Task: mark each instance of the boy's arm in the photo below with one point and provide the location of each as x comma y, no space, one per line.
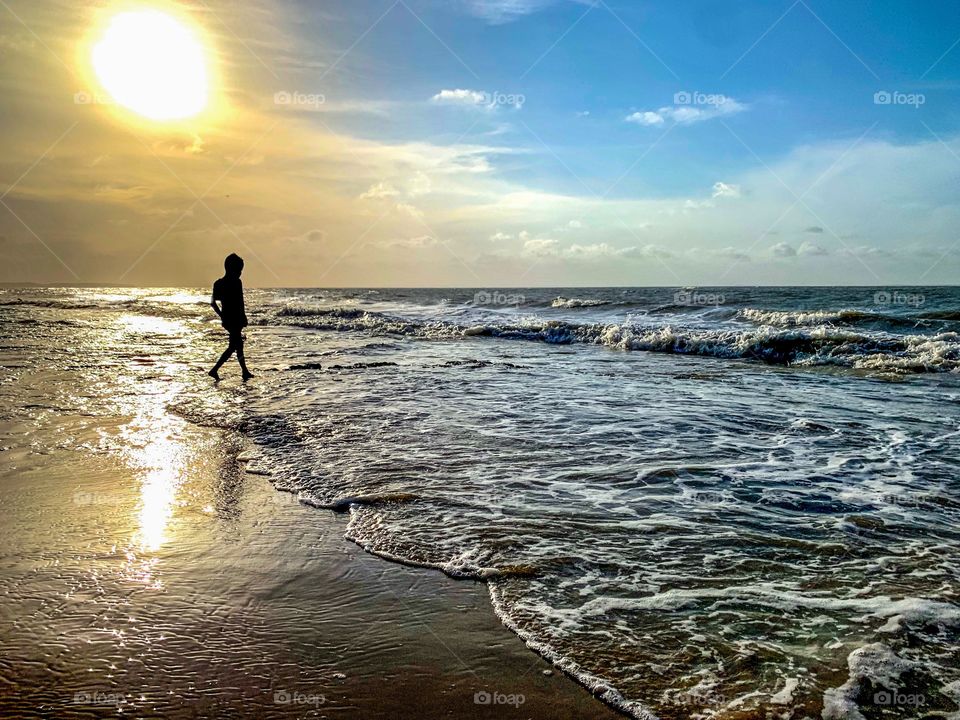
213,304
243,308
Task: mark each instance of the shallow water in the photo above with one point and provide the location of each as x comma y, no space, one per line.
757,518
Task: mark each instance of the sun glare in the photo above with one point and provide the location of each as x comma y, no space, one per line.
153,64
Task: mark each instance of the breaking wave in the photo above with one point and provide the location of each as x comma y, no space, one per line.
796,344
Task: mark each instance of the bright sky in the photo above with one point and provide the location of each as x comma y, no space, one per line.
485,143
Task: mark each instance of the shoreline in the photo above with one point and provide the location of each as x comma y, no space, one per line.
235,597
600,690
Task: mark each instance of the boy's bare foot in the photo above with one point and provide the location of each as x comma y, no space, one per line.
214,374
247,374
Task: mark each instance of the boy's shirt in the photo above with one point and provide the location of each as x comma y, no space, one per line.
229,291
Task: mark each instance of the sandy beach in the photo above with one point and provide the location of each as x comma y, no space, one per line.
131,592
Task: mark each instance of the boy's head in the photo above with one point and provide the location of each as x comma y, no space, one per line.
233,264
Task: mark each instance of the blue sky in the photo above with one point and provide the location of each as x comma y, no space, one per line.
501,142
805,72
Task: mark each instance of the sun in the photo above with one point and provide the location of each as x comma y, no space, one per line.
153,64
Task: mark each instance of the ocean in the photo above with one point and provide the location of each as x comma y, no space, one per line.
699,502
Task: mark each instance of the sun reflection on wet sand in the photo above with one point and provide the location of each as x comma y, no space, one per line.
158,490
146,387
153,448
148,324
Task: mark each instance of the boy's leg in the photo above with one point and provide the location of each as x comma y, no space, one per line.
237,342
224,357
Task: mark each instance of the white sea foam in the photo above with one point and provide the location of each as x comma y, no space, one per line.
562,302
876,663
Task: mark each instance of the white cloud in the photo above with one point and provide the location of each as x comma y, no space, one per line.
811,248
482,99
540,247
413,243
380,191
549,247
595,250
687,114
645,118
460,97
862,251
419,184
722,189
654,251
783,250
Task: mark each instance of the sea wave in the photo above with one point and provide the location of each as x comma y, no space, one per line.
570,303
941,315
807,318
51,303
804,346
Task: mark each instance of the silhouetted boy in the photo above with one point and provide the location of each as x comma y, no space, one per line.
228,291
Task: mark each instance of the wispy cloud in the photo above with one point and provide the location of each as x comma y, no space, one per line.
687,114
482,99
503,11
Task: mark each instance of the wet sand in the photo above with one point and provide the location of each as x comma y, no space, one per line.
213,595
